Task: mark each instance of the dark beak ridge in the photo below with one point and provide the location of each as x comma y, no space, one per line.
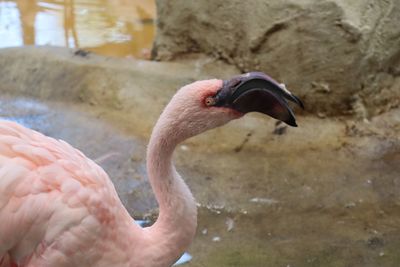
266,102
257,92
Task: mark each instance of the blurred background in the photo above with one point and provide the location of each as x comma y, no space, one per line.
123,28
97,73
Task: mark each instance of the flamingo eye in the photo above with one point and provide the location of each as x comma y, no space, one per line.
209,101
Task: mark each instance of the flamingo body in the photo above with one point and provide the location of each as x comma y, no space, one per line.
54,203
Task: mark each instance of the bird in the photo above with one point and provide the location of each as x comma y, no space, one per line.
59,208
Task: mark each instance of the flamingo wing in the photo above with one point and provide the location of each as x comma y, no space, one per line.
54,201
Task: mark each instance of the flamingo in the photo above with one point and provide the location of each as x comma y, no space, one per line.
59,208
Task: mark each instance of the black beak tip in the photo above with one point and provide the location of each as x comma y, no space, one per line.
291,122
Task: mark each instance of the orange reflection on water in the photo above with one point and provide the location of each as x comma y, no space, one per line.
108,27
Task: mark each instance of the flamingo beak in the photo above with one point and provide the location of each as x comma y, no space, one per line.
257,92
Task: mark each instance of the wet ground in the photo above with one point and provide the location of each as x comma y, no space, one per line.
109,27
324,194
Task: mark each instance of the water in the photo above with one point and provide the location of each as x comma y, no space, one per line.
122,28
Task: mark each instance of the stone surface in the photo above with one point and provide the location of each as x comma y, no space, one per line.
340,56
324,194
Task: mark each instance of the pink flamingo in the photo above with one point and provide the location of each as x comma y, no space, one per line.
58,208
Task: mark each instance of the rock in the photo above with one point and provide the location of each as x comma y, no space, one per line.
348,47
61,74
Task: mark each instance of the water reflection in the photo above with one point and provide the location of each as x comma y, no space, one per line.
109,27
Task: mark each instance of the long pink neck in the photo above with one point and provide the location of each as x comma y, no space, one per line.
175,227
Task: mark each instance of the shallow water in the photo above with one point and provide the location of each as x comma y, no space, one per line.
109,27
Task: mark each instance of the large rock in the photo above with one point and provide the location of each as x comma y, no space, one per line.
339,56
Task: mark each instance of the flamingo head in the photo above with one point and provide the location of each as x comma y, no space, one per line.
208,104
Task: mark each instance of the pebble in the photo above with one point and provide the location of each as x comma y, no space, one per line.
216,239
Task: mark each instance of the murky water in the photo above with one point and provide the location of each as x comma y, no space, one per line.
108,27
